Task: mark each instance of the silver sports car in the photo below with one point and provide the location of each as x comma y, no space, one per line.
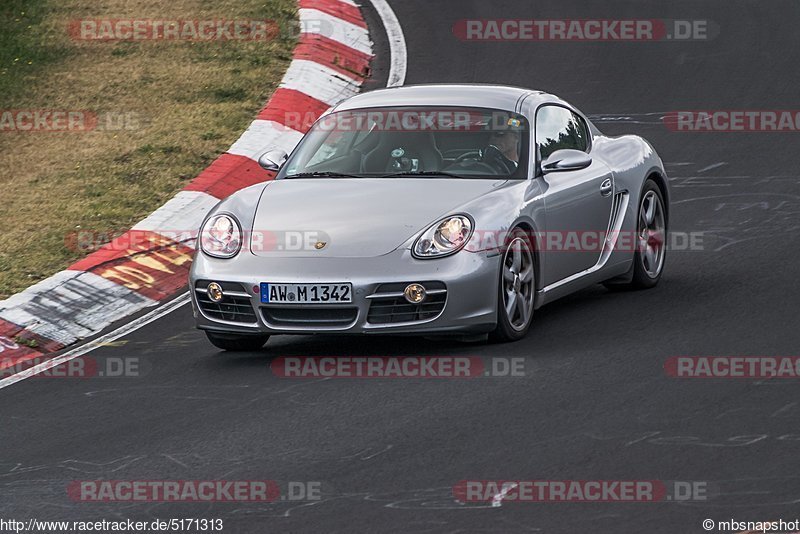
433,209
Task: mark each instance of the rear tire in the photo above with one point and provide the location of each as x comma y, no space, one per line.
236,342
516,289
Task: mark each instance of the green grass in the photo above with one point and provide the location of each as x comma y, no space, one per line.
191,101
25,50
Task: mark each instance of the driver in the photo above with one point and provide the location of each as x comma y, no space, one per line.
504,148
507,141
501,155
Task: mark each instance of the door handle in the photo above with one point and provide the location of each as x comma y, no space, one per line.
606,187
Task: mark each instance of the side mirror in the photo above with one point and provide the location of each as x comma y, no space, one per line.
566,159
272,160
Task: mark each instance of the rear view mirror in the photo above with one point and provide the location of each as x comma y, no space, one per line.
272,160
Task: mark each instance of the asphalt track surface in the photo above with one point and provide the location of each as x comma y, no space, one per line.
595,402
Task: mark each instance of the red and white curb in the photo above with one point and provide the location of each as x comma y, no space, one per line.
330,63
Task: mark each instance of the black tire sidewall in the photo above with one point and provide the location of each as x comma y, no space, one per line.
504,332
640,277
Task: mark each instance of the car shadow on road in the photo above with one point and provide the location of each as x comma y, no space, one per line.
577,322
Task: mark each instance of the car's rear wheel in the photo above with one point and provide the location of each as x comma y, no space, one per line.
236,342
516,289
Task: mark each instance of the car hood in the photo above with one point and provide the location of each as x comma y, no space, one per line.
355,218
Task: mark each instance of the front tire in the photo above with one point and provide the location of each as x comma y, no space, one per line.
516,289
651,239
236,342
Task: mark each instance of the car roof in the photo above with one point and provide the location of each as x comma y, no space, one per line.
456,95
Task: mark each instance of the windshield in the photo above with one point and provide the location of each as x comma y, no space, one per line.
402,141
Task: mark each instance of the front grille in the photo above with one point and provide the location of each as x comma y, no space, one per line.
235,306
388,305
305,317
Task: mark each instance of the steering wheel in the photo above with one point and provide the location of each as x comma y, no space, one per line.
494,158
472,154
471,166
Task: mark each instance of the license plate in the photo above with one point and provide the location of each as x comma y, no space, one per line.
306,293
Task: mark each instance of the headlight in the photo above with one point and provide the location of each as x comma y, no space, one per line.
221,236
445,237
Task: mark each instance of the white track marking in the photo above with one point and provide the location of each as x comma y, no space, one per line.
71,305
315,21
320,82
497,500
263,135
99,342
180,217
397,43
711,167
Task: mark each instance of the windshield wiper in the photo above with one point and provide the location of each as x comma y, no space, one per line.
424,173
322,174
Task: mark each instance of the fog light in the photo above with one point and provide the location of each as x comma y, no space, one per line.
214,292
414,293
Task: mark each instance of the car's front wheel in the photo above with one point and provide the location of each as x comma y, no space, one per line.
236,342
516,289
651,241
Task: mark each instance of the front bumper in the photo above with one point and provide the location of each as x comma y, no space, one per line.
470,280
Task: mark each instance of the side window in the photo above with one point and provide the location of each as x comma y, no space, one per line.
558,128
